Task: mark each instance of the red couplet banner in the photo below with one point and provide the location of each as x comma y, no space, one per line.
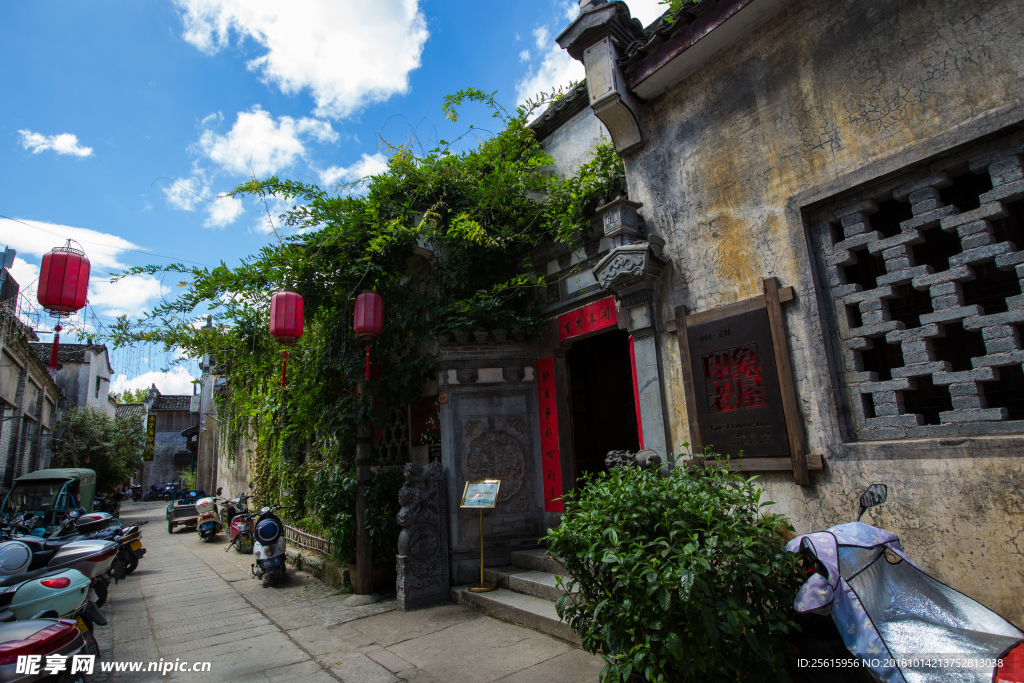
595,316
551,464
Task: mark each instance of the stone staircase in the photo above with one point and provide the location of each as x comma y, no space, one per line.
526,594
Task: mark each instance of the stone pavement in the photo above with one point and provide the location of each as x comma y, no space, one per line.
191,601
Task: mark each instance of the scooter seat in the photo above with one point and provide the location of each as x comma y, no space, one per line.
15,579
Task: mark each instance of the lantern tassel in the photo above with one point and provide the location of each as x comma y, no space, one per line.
284,368
56,345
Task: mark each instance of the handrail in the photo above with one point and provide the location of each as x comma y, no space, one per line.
307,540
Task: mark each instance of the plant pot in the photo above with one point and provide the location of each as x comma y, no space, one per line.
480,336
462,336
500,335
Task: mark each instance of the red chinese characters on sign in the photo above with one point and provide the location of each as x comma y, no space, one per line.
595,316
551,464
733,379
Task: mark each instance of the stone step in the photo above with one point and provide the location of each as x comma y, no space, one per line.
528,581
517,608
537,560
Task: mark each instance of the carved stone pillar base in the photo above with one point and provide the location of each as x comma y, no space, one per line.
422,559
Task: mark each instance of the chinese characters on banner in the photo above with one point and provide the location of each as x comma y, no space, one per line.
150,435
595,316
733,379
551,463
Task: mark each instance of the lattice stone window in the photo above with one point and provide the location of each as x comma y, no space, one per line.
926,286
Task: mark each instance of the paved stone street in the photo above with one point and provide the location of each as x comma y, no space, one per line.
192,601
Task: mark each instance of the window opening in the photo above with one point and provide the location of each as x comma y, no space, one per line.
1007,391
959,346
889,216
868,267
928,400
909,304
936,249
991,287
965,190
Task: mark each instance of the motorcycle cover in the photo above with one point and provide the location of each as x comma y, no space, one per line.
899,621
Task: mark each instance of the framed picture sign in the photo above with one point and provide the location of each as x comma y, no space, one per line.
738,376
480,495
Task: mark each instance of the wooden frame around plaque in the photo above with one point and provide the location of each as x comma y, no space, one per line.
493,500
744,397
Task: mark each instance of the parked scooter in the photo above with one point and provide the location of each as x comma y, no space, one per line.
240,523
110,504
41,637
135,492
269,546
890,619
155,493
208,524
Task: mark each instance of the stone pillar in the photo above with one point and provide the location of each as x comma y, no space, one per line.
423,578
640,323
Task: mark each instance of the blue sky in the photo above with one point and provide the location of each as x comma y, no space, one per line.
116,112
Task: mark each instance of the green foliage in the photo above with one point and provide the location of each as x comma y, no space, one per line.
681,578
130,395
333,496
113,447
443,236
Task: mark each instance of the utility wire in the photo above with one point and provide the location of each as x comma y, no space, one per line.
109,246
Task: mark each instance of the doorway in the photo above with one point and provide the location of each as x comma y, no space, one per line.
603,407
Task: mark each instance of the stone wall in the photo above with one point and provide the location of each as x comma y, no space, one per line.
825,99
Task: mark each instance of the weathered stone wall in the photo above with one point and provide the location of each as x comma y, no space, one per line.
824,98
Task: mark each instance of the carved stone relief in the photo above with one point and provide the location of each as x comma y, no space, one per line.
423,577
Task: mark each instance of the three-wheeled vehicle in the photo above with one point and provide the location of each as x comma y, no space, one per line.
49,495
181,511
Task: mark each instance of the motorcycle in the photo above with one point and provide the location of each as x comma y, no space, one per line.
43,637
891,621
155,493
208,523
135,492
269,547
170,488
110,504
241,532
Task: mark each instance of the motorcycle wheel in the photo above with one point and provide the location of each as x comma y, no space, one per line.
101,593
148,497
131,563
268,579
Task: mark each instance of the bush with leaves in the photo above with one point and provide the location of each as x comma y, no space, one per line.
333,496
113,447
681,578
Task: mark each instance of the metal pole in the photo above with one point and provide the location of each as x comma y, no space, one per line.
363,583
481,547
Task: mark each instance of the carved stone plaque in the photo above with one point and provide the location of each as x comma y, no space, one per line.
736,386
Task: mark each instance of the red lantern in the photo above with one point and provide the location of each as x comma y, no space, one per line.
369,320
63,286
286,312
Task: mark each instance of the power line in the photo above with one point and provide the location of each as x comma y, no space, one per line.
109,246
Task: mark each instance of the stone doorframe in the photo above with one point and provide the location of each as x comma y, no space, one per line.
629,271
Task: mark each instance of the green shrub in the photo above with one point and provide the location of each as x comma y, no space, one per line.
333,497
681,578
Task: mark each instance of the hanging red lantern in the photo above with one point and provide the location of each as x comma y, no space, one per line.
63,287
286,313
369,320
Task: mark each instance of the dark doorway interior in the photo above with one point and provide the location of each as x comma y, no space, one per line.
603,409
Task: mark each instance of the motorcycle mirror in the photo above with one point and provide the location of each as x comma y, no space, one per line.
873,495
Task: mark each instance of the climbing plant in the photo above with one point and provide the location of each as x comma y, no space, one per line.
444,235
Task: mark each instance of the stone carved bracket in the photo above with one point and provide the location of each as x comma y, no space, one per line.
629,265
422,559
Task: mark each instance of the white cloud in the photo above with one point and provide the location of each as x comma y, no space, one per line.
101,248
131,296
541,37
223,212
524,56
644,10
178,381
556,69
366,166
186,193
347,53
256,144
64,143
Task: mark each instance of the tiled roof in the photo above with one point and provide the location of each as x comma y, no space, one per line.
560,111
135,410
661,29
66,353
172,402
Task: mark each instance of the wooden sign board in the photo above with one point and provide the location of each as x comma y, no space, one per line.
480,494
151,435
738,378
738,400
